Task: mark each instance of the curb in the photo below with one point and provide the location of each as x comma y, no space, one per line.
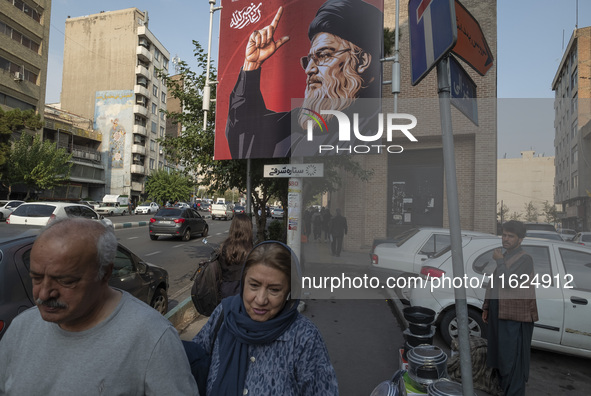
182,315
130,224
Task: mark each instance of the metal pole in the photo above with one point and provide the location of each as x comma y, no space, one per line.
294,211
207,87
444,91
248,190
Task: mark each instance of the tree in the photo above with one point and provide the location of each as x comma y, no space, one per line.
531,212
503,212
37,164
173,186
515,216
195,147
550,213
13,122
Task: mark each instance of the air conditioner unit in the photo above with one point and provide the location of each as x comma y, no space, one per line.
18,76
161,152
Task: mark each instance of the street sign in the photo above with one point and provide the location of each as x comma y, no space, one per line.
294,170
471,45
463,91
433,33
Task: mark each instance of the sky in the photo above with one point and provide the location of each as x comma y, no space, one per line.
531,38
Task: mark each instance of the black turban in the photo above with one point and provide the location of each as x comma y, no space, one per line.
353,20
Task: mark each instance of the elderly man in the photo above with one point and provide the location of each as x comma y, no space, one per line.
342,64
511,311
84,337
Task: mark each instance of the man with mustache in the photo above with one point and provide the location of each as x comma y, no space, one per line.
510,309
342,65
85,337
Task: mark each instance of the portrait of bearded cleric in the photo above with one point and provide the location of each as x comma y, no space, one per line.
342,64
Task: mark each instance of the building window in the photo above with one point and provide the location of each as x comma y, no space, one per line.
156,54
154,108
154,126
162,116
23,74
144,43
19,37
155,91
161,131
574,156
163,97
574,180
152,163
152,145
573,131
164,62
22,6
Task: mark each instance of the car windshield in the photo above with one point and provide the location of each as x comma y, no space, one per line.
146,204
405,236
551,236
34,210
169,212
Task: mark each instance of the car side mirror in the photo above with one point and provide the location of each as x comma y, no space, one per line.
142,268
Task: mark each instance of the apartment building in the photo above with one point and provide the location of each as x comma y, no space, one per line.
77,136
110,75
24,33
572,124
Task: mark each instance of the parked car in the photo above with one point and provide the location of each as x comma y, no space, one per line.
553,235
239,209
183,223
563,272
41,213
145,281
222,211
277,213
91,204
583,238
112,208
539,226
204,207
182,205
412,249
7,207
147,208
567,234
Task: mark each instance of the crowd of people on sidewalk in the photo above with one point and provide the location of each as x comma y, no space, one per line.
321,226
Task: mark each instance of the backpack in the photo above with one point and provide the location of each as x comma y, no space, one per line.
205,292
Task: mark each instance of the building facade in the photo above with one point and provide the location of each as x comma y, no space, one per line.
408,189
572,124
77,136
525,180
24,33
110,75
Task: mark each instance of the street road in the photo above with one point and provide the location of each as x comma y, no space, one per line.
179,258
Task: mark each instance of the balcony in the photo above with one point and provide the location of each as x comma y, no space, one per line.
138,169
142,71
137,186
138,149
140,130
139,89
139,109
144,54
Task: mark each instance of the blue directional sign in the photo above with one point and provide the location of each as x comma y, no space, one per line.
433,33
463,90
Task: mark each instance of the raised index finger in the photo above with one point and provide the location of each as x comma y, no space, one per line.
277,18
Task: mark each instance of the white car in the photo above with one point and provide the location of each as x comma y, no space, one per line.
563,292
42,213
147,208
412,249
582,238
111,209
8,206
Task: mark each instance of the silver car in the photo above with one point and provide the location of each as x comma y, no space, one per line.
8,206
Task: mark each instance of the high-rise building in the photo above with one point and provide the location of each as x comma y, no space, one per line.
572,124
24,33
110,74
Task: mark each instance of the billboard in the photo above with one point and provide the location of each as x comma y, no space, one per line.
283,62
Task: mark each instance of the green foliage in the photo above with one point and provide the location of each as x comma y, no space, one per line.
531,212
278,231
15,121
37,164
550,213
173,186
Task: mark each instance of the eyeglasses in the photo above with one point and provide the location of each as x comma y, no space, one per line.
320,58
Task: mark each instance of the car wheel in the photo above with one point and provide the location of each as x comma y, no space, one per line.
205,231
153,237
186,235
449,325
1,217
160,301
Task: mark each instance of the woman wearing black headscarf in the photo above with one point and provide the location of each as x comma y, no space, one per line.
264,346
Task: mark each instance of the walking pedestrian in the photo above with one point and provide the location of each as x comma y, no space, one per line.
338,230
